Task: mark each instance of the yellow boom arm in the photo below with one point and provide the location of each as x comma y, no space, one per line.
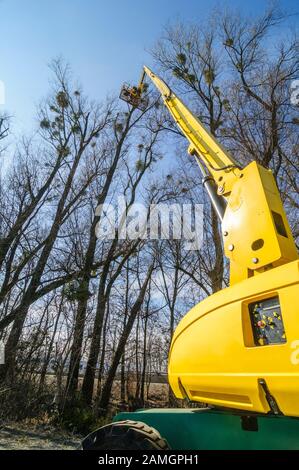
256,233
217,160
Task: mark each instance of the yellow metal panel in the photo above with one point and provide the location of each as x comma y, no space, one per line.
252,240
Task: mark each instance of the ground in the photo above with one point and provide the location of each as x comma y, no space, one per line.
23,437
34,435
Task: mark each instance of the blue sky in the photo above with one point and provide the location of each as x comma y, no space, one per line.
105,42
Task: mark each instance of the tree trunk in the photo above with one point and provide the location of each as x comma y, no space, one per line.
7,370
89,377
106,391
144,359
217,272
137,386
123,379
48,355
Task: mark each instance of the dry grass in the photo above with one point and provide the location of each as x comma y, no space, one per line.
26,436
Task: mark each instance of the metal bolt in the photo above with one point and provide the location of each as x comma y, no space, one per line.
231,247
225,233
255,260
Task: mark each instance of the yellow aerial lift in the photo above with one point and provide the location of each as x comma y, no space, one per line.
237,349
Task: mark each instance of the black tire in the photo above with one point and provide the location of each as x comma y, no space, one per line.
122,435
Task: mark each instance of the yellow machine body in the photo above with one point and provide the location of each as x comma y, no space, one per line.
215,358
238,347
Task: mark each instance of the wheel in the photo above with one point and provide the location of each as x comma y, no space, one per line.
121,435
